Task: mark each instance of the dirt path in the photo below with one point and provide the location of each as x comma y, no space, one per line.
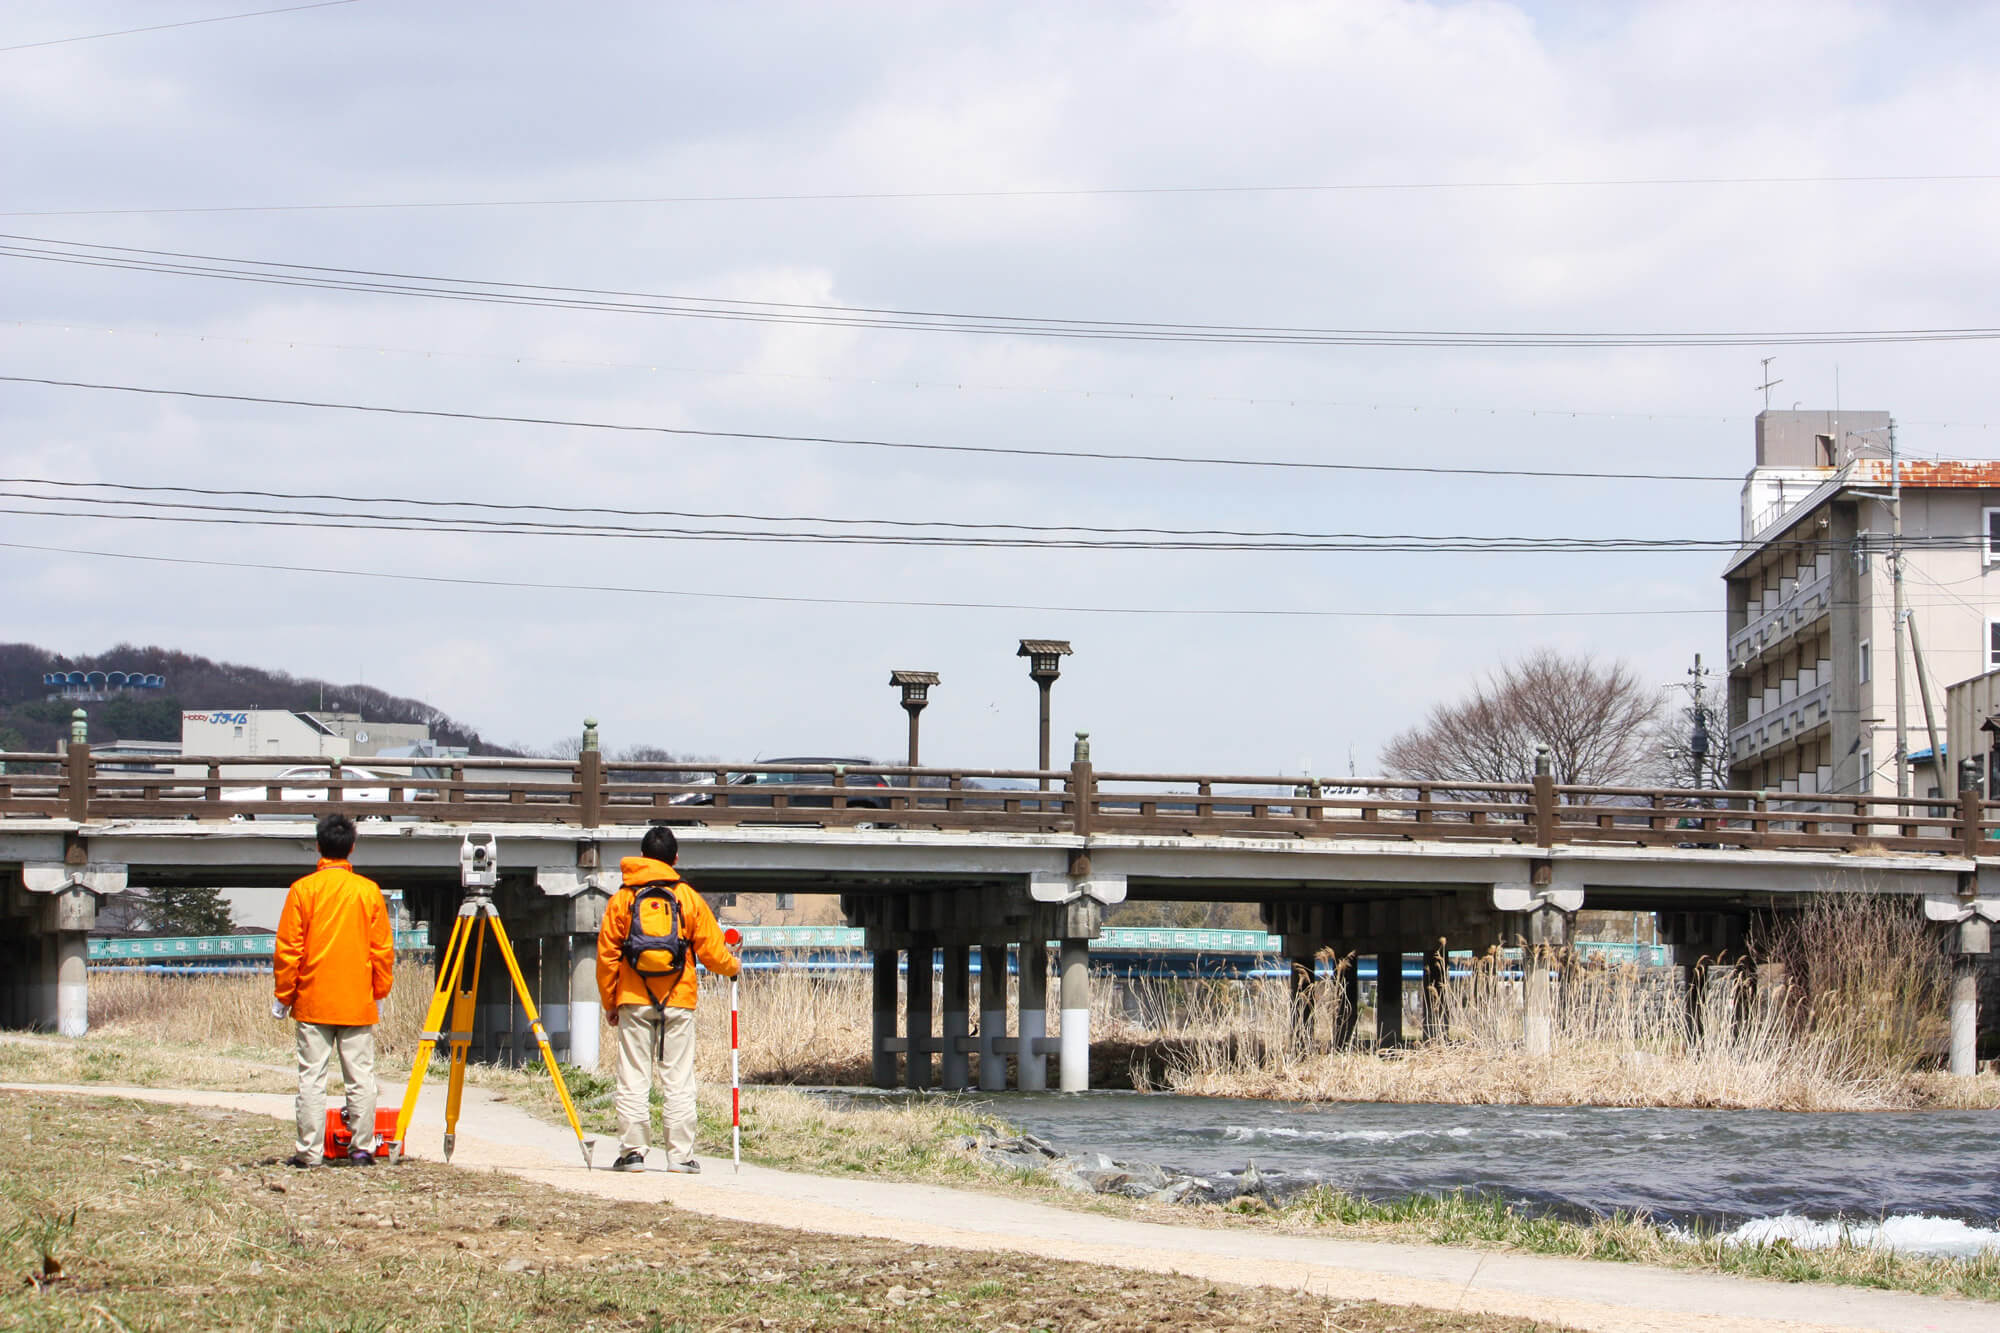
1614,1298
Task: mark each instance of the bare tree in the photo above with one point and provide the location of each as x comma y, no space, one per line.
1598,722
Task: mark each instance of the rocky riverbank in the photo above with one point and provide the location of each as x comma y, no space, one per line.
1098,1173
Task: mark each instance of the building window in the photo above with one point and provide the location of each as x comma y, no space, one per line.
1865,783
239,733
1992,644
784,901
1862,540
1866,670
1992,536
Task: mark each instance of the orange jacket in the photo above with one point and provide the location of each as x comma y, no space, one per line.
617,983
335,956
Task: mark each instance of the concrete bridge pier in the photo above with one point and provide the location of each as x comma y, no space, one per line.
954,1063
50,912
882,1031
1704,943
919,990
1436,960
1305,1002
1031,1064
1547,910
1388,1000
1967,920
992,1015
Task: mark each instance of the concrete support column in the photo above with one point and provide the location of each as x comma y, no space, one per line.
1033,1022
1305,1003
883,1029
72,983
584,1003
1548,930
1350,1002
1074,1061
528,955
1388,1000
1975,940
917,992
992,1016
1694,998
1435,1023
954,1065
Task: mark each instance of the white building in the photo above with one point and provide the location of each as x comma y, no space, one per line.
259,732
1812,703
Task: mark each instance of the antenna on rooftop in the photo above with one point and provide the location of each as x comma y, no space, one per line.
1769,383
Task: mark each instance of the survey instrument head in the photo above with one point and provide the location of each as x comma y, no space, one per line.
479,861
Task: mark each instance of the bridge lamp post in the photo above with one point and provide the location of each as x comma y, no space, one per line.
1044,668
916,686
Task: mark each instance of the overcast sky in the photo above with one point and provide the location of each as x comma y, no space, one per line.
379,102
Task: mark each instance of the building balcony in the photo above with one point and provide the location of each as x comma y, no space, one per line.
1783,725
1808,600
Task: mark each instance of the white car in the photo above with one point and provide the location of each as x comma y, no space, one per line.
284,779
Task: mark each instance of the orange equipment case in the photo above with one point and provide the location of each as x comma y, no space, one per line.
339,1140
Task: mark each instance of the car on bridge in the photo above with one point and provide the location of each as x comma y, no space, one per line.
762,788
308,782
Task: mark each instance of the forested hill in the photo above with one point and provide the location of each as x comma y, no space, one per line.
30,720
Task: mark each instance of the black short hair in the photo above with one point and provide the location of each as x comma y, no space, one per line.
336,836
660,844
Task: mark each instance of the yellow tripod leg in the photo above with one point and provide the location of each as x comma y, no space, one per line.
541,1038
463,1005
433,1017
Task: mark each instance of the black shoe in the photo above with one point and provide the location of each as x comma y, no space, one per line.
302,1160
361,1157
632,1159
688,1168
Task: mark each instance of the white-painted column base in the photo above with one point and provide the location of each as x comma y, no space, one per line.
72,988
1073,1059
584,1003
1964,1015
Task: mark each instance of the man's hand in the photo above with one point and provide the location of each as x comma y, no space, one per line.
611,1018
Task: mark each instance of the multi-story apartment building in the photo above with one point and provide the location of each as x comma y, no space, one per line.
1812,703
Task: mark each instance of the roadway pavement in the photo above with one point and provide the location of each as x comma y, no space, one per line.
1582,1294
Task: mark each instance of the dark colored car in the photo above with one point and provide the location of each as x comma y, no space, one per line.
761,789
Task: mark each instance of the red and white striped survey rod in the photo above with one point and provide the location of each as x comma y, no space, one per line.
733,937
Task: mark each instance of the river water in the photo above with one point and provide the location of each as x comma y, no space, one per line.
1922,1181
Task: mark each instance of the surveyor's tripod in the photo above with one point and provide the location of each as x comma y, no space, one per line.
458,986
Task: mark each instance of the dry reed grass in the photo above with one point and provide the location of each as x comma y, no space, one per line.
1847,1014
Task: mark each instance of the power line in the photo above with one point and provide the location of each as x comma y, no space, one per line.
185,23
1229,611
1129,191
822,315
1097,455
1360,543
956,383
624,520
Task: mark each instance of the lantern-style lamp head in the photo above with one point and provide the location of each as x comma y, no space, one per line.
1044,657
916,686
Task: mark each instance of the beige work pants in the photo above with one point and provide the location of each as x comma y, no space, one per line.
645,1052
318,1044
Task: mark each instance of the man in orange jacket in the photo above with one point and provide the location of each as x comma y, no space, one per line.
335,961
652,1005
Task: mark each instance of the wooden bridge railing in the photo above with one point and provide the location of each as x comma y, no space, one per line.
590,792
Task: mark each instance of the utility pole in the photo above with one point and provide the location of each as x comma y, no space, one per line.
1698,739
1896,582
